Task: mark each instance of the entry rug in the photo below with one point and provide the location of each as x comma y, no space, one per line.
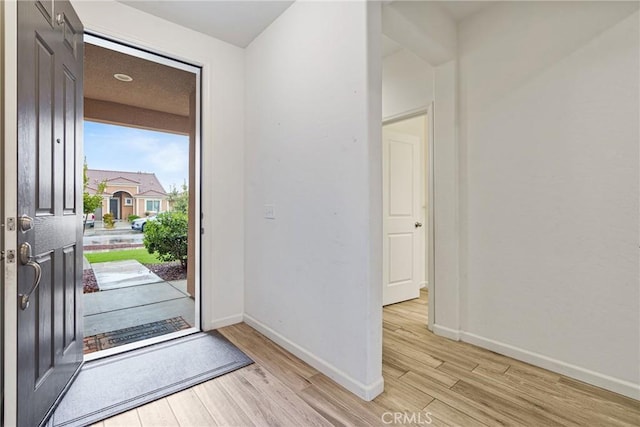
133,334
116,384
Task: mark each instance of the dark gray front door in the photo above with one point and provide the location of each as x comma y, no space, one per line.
113,208
50,110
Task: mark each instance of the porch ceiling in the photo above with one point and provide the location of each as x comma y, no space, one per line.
155,88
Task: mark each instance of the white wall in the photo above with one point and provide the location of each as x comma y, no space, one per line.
222,143
313,279
407,84
549,107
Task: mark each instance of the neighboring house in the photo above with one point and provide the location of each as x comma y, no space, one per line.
128,193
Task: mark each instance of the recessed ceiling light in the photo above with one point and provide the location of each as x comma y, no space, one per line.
123,77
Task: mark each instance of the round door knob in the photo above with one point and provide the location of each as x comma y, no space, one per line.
418,224
26,223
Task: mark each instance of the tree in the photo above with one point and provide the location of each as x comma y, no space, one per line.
90,202
167,236
179,200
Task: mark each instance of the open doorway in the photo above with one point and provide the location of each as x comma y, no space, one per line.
407,208
141,204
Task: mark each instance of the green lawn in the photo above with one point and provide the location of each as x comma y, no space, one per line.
140,255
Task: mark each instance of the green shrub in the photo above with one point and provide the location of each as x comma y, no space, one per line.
167,236
132,218
108,220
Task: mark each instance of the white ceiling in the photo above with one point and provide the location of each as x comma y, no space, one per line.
389,47
240,21
236,22
462,9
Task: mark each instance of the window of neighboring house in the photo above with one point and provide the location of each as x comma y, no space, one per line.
128,201
153,206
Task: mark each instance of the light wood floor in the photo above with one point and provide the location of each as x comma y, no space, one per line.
457,384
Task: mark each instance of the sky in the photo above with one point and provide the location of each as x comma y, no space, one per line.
127,149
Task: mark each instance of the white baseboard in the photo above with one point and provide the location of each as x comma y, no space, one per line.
225,321
595,378
443,331
364,391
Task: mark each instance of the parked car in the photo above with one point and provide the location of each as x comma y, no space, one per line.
139,223
89,220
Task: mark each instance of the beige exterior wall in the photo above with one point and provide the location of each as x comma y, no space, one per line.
143,204
126,211
140,207
138,204
131,189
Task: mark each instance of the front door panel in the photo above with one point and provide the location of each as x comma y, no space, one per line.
49,200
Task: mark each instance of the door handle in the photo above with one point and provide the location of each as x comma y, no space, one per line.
418,224
27,259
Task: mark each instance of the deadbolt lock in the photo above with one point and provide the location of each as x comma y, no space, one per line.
26,223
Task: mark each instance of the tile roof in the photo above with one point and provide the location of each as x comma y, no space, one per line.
146,182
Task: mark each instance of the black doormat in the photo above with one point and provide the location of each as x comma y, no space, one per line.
133,334
116,384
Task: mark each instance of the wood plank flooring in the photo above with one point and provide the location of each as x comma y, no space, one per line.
428,378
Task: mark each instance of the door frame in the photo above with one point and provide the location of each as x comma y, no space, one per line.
131,48
2,228
10,207
8,64
427,111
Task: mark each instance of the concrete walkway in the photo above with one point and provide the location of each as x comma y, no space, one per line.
131,295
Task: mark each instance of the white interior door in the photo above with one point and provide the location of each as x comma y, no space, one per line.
401,217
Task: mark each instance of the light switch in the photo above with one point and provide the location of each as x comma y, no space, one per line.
270,211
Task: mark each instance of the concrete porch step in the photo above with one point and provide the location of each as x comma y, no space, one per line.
128,297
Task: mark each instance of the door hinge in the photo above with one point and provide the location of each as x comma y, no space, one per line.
10,256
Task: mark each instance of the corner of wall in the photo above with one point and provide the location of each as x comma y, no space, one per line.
446,198
374,113
225,321
364,391
443,331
